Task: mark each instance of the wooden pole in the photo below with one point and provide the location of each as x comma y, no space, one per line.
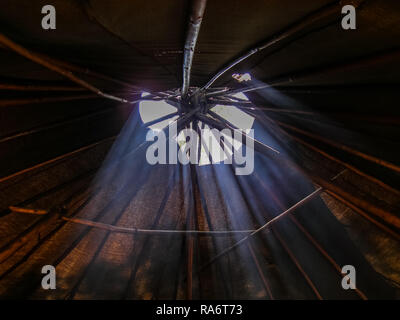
196,17
342,147
60,70
18,102
35,87
327,12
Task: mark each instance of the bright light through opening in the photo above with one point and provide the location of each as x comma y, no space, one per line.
242,77
150,111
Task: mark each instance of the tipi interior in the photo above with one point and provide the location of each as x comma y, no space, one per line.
78,192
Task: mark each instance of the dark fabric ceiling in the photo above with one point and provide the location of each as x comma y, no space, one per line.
142,42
